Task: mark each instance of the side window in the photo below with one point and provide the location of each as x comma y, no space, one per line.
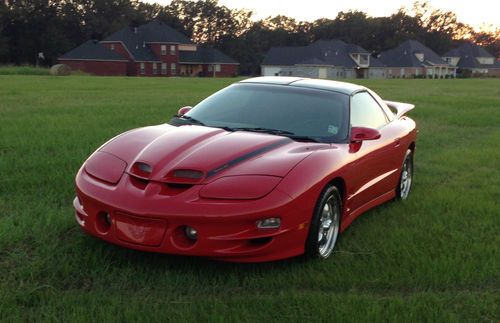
365,112
388,112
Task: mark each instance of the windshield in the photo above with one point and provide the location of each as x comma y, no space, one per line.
284,110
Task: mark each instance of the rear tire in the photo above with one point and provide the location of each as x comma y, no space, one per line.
406,177
325,225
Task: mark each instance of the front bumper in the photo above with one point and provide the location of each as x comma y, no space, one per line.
151,219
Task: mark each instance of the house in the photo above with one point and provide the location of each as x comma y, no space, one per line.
331,59
153,49
412,59
473,59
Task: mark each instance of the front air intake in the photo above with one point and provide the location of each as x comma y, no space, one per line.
141,170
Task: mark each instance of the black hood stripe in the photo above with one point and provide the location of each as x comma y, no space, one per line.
248,156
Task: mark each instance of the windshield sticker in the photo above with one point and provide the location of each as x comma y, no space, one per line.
333,130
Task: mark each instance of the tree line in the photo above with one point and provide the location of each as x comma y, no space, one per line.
53,27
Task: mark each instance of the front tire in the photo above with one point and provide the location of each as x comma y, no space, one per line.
406,177
325,224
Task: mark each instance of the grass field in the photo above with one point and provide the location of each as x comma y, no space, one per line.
23,70
434,257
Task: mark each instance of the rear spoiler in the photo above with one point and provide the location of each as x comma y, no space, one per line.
400,107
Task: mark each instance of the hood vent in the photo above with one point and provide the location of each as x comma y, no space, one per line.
186,173
184,176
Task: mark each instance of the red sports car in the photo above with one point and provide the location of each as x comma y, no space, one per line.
265,169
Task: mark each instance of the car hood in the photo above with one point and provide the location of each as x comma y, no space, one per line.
213,152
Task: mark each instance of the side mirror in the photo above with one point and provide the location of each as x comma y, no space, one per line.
359,134
182,111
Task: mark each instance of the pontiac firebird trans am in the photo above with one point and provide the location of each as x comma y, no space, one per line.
265,169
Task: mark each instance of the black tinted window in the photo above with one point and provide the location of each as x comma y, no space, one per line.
303,112
365,112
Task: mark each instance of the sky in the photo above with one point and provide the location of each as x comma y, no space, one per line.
475,13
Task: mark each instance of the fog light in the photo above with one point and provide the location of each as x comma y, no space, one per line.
269,223
103,222
107,218
191,233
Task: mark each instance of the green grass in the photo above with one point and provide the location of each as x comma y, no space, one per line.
23,70
434,257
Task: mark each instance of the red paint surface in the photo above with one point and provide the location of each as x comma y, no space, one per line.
120,49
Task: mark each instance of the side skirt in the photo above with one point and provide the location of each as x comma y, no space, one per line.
355,213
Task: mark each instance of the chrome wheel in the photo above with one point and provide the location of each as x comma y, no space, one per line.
325,224
406,177
329,225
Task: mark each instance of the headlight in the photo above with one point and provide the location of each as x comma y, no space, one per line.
245,187
105,166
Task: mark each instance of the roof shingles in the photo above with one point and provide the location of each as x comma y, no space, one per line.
405,56
205,55
469,53
92,50
321,52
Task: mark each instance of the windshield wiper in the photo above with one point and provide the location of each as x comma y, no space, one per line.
303,138
265,130
279,132
192,120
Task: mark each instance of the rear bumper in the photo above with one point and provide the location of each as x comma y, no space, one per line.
143,220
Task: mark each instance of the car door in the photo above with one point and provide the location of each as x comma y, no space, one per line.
376,161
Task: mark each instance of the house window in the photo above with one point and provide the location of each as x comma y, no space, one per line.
173,68
164,49
143,69
112,47
217,67
210,68
155,68
164,68
172,49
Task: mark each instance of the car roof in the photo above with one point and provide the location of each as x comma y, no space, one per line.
336,86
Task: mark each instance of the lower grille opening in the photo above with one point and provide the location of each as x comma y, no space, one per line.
260,241
179,186
171,189
138,182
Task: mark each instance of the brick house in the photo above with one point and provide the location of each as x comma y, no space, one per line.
331,59
152,49
412,59
474,60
